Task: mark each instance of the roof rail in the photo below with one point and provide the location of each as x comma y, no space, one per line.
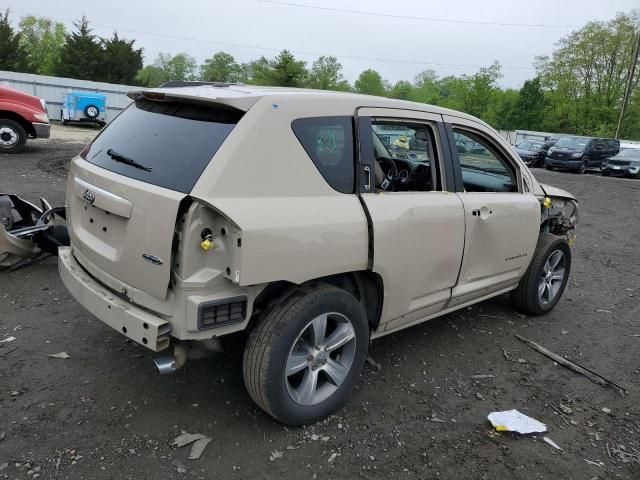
194,83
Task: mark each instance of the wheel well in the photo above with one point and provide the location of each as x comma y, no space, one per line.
8,114
366,286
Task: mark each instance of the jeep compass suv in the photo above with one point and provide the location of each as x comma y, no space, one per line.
315,221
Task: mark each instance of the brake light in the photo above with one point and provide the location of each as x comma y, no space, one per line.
154,96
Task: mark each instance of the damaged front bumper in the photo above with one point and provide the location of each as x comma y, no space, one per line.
28,232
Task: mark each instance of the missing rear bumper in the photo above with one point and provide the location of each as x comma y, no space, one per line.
135,323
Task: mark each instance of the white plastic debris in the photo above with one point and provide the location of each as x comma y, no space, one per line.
60,355
552,443
8,339
514,421
275,455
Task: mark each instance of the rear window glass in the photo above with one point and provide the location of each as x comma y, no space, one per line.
329,143
163,143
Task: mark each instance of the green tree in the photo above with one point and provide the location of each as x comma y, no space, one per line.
402,90
370,82
326,74
42,41
81,55
530,105
427,88
12,54
221,67
120,60
151,76
584,79
282,71
181,66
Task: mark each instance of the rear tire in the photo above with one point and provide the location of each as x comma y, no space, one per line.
12,136
280,358
549,167
543,283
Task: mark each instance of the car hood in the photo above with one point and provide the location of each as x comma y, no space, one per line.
552,191
635,158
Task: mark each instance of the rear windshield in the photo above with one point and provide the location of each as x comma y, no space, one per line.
163,143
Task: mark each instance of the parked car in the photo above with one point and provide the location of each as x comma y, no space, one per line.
580,153
287,217
22,116
83,106
532,152
625,163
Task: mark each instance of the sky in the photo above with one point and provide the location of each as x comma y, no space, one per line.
398,39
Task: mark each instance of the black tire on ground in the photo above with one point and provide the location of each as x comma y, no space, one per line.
549,167
526,297
91,111
583,167
274,338
12,136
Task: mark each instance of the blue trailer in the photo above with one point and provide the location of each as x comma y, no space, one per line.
82,106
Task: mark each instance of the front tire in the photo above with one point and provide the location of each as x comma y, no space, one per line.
12,136
583,167
542,285
303,359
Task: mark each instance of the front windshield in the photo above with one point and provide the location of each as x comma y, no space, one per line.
577,143
531,146
630,152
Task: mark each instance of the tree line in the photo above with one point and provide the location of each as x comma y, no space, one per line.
577,89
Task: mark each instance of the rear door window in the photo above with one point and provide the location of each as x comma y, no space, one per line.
167,144
329,143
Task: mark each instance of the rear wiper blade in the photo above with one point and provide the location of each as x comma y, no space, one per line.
118,157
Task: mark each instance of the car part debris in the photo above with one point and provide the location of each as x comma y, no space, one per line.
514,421
552,443
199,441
29,233
591,375
62,355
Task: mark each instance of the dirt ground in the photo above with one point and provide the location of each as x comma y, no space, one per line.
105,412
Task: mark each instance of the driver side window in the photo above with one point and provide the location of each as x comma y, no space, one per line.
405,158
483,167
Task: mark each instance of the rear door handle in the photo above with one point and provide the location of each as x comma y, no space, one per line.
482,212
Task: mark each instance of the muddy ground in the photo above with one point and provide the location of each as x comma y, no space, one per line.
105,413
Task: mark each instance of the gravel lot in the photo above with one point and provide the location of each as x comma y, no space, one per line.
105,413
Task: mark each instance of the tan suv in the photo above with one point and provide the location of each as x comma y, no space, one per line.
315,221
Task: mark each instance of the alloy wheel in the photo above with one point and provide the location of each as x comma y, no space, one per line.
552,276
320,359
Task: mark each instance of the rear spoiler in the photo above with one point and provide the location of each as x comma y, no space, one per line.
195,83
230,95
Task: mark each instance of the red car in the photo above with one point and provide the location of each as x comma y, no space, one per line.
22,116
